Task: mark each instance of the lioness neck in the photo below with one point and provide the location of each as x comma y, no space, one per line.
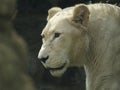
102,67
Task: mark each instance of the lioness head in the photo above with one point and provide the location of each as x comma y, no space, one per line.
64,39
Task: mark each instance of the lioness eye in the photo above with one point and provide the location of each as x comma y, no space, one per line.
56,35
42,35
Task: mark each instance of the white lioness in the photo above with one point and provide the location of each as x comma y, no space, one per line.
84,35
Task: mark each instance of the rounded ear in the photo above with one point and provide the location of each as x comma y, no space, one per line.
81,14
53,11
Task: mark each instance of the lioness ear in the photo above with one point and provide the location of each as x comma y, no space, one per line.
81,14
53,11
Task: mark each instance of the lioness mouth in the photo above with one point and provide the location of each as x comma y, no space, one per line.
59,68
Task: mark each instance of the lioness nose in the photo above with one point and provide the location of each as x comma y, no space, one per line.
44,59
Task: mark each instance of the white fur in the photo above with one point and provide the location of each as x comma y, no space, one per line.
97,48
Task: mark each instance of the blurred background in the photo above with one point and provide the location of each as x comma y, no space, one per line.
30,20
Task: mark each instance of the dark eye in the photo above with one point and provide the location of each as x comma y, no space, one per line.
42,35
57,35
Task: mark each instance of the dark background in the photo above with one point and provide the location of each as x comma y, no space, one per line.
30,20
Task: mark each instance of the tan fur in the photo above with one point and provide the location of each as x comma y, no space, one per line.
7,8
13,56
13,52
94,44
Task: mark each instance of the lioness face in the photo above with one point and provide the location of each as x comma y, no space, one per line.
63,44
59,43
